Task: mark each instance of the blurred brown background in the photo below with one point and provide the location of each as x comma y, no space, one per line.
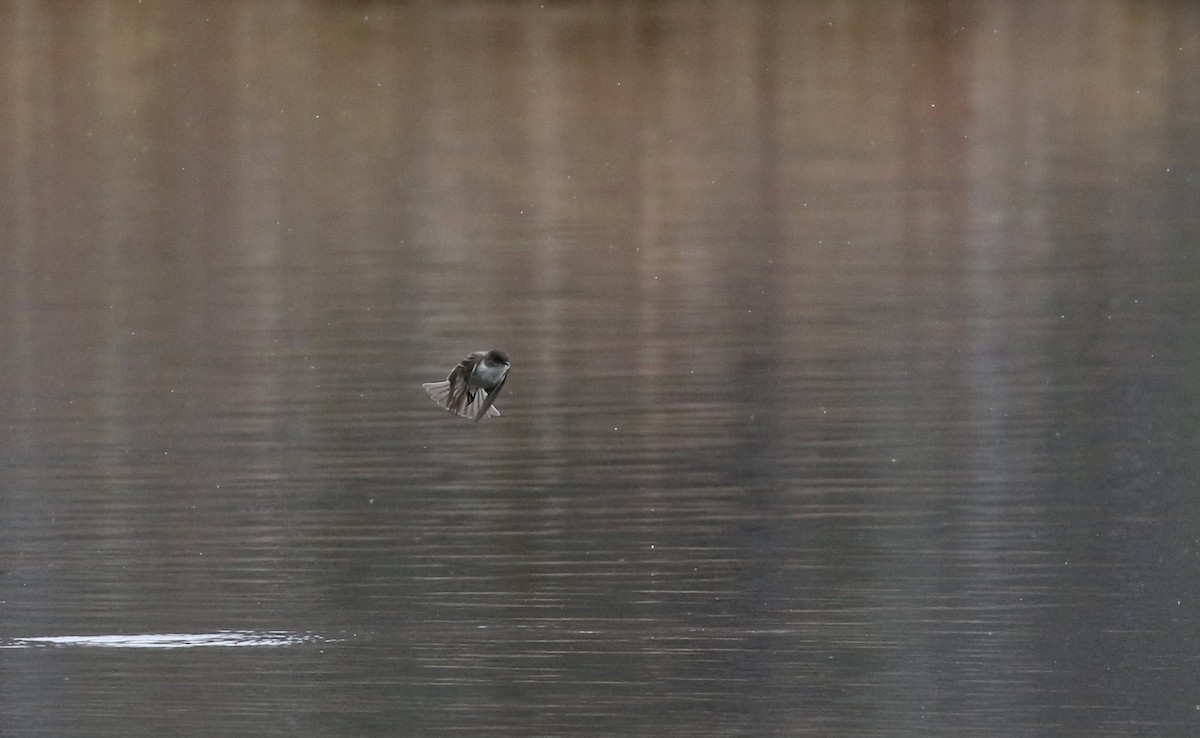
853,391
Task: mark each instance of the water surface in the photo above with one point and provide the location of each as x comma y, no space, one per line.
853,371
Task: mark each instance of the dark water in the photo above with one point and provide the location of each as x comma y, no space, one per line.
854,369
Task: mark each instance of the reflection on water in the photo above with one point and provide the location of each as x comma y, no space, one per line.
852,392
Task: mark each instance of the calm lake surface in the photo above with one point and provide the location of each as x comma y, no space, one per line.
854,391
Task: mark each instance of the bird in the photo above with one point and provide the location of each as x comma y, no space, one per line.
472,386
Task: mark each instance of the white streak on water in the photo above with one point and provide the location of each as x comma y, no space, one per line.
219,639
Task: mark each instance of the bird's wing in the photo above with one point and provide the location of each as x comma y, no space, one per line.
459,396
489,397
467,366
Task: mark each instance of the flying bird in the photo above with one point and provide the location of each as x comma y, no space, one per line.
472,386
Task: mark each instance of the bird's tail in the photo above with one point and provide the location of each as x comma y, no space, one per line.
439,391
468,403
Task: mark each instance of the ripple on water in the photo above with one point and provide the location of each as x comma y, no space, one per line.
219,639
